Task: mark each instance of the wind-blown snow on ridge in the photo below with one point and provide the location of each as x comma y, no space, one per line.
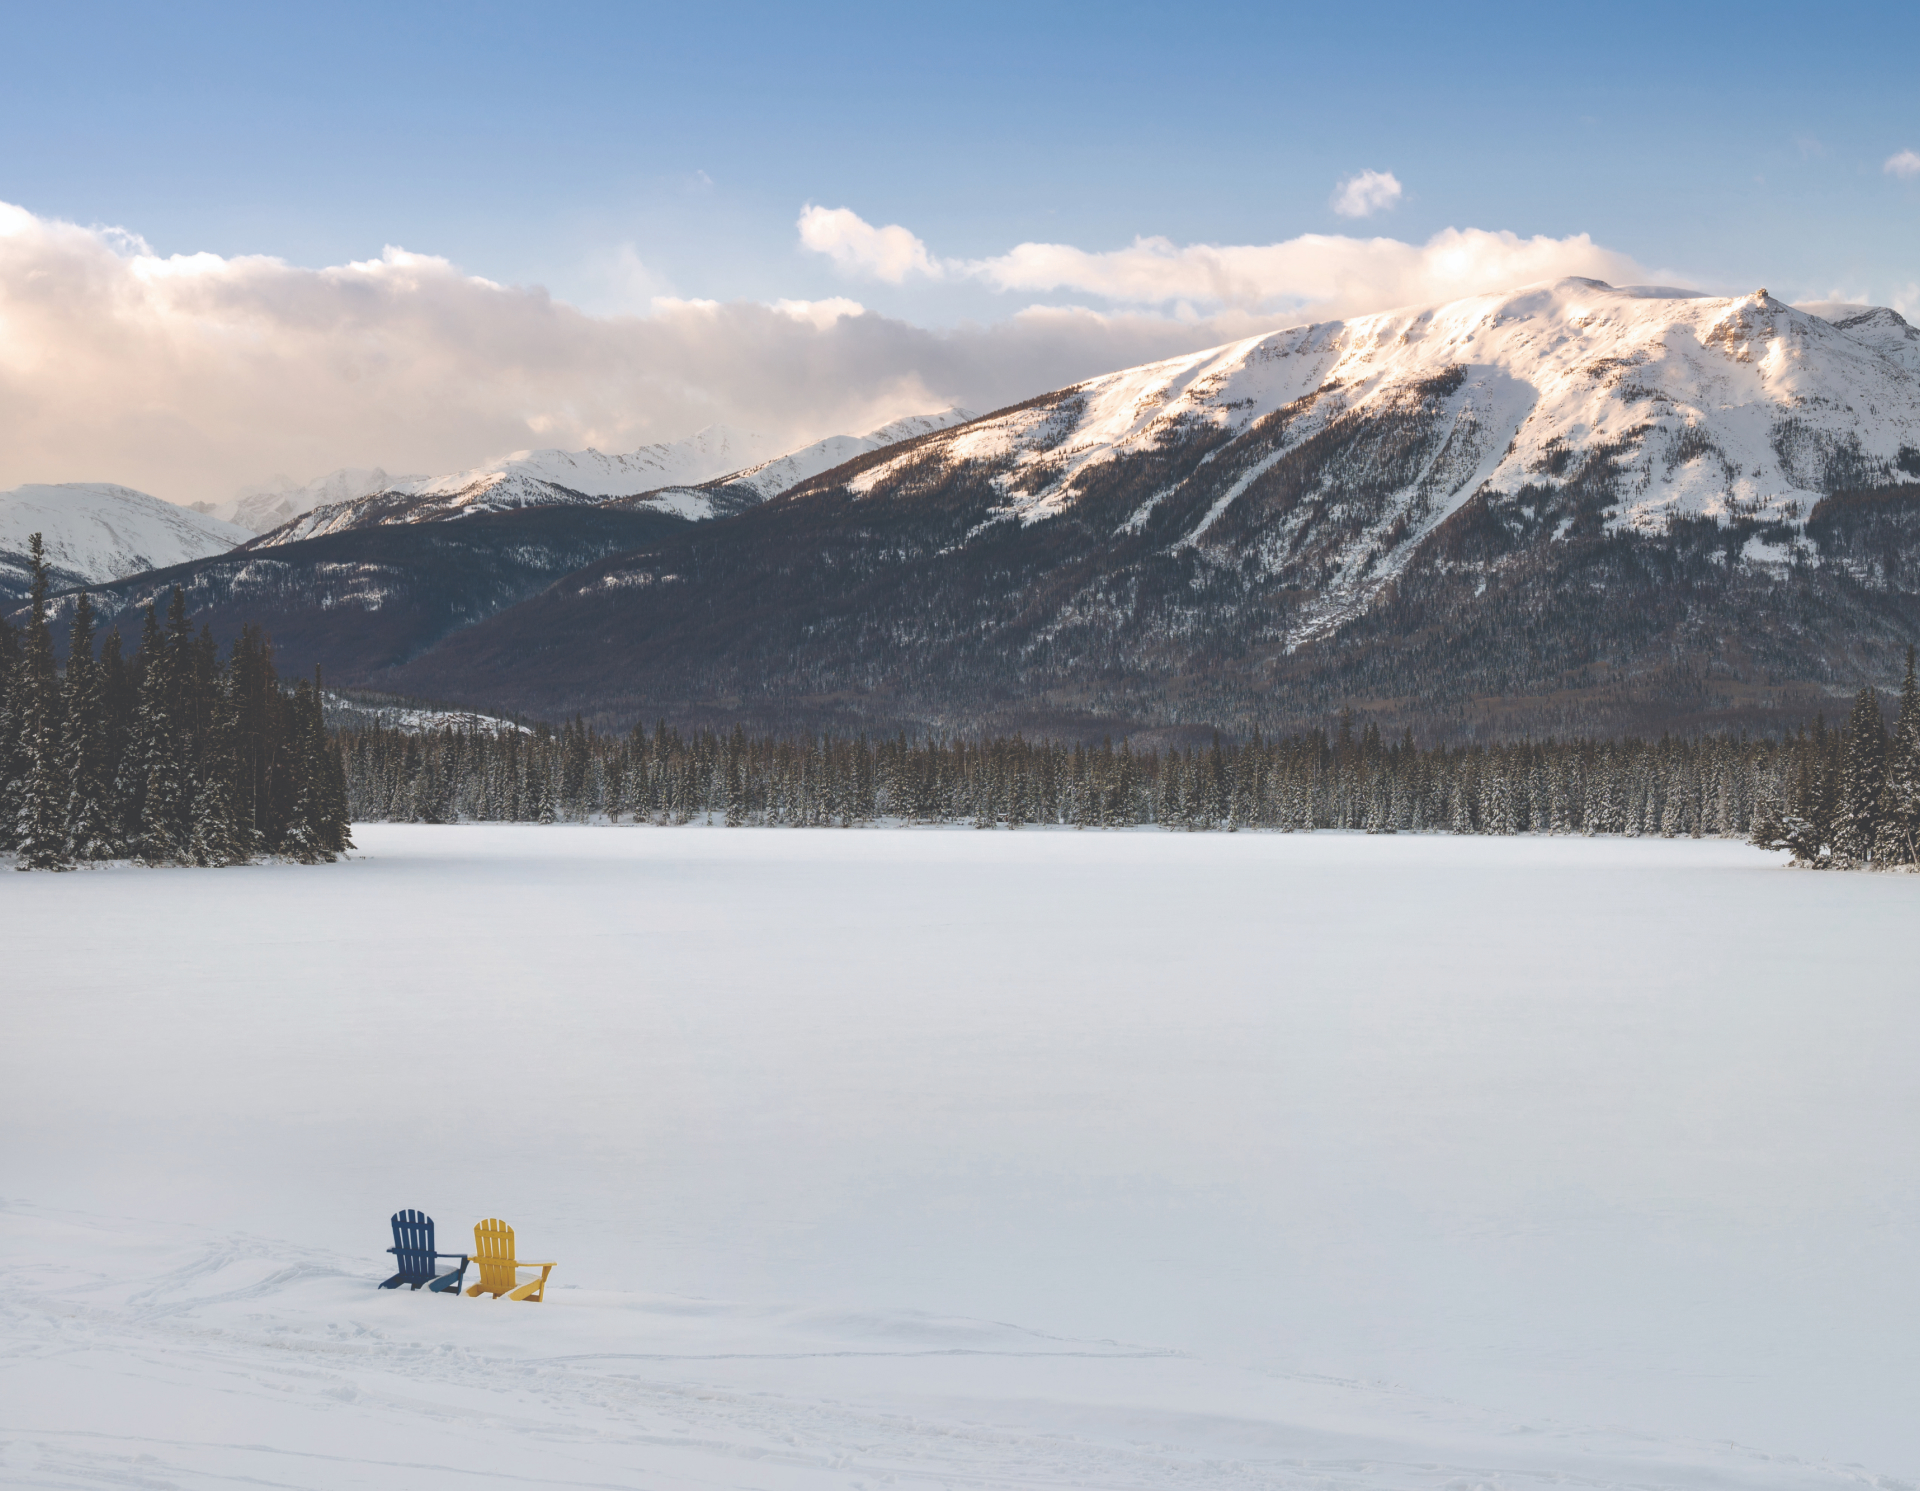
775,476
1574,364
95,532
510,481
739,490
528,478
262,509
683,477
1697,406
1878,326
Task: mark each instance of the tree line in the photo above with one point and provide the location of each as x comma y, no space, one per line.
172,756
1835,797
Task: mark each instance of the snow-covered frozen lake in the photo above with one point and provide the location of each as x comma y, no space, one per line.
952,1158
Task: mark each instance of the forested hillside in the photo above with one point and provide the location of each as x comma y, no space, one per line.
1567,510
171,756
359,602
1834,797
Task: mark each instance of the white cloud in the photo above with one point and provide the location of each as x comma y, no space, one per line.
820,313
890,253
1367,193
1326,274
1905,165
194,376
1315,274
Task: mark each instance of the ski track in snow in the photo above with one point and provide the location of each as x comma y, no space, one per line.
958,1159
320,1380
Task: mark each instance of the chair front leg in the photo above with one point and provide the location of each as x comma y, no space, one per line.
536,1291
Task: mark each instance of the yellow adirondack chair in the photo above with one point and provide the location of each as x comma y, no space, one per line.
493,1252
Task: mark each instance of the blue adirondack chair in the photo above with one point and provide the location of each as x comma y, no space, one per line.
413,1250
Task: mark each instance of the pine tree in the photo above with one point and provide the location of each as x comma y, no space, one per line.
159,744
43,810
92,821
119,702
13,760
335,822
314,833
1897,841
1858,821
217,838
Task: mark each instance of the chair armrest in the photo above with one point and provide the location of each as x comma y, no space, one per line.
522,1263
461,1256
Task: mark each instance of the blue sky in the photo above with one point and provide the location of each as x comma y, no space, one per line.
534,144
977,162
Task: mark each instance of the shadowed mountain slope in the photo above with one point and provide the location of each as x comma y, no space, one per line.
361,602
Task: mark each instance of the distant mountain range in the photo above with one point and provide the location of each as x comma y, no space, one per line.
1569,507
97,531
710,474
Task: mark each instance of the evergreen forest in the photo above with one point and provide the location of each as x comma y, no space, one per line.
1835,797
172,756
176,756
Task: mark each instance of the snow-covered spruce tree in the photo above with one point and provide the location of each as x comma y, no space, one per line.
317,827
13,770
1813,800
92,816
1857,822
119,697
218,838
43,809
337,813
157,752
1897,840
304,839
261,797
130,774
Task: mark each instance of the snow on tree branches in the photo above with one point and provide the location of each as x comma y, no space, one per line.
1804,793
170,757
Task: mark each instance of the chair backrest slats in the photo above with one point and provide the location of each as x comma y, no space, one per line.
413,1242
493,1252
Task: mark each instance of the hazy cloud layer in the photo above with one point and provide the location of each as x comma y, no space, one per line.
1315,274
193,376
1906,164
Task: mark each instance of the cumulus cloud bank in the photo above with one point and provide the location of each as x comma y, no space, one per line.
193,376
1315,274
1905,164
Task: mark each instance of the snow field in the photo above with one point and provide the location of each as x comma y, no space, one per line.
961,1158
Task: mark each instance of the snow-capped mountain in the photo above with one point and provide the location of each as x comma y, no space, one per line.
739,490
525,478
708,474
1373,432
1879,326
1569,507
95,532
261,509
1565,488
528,478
